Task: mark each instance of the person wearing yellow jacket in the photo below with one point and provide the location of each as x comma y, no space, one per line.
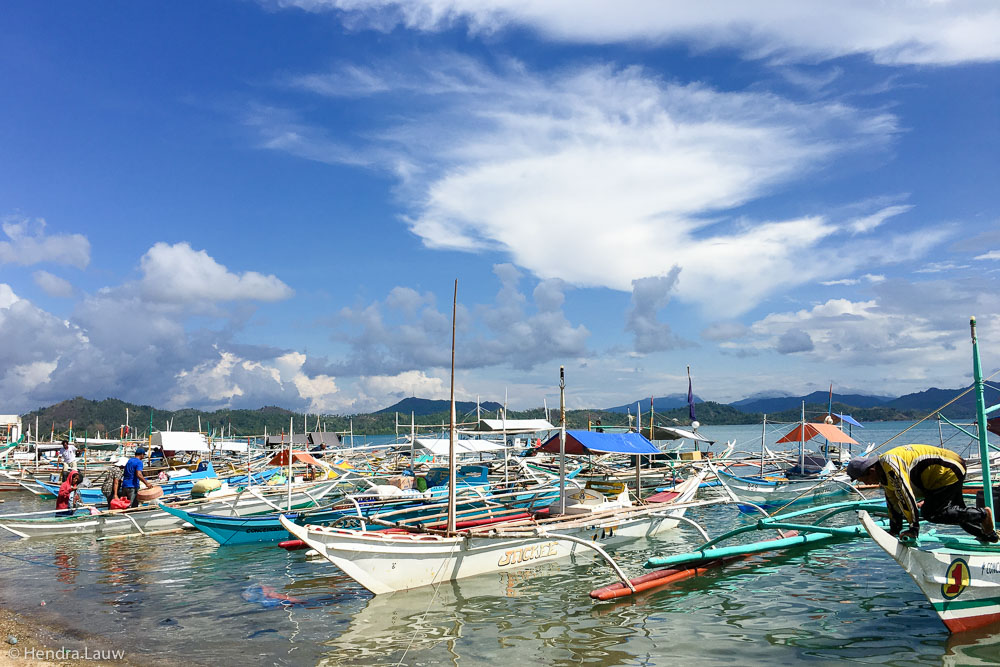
914,473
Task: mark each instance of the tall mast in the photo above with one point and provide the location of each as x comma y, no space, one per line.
562,440
984,447
451,431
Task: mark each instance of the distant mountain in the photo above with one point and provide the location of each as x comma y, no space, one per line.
753,398
782,403
662,403
426,406
933,398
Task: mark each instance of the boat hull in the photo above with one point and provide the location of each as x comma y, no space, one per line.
387,562
962,585
149,518
778,493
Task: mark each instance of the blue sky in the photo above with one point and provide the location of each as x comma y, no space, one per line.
210,204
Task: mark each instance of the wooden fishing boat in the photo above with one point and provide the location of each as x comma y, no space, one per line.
775,491
387,561
145,519
812,478
959,575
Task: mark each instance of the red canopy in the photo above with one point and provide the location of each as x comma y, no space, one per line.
281,459
828,431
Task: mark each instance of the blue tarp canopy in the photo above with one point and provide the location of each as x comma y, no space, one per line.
849,419
592,442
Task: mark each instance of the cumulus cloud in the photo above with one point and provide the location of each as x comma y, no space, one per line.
627,174
992,254
53,285
162,347
895,32
28,244
407,332
794,340
919,329
179,274
649,297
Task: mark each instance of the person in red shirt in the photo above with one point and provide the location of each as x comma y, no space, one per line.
69,495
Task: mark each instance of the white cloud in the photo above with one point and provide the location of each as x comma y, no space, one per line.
941,267
624,173
869,277
29,244
870,222
892,32
992,254
179,274
53,285
911,335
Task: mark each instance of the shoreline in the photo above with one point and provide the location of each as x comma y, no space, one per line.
46,643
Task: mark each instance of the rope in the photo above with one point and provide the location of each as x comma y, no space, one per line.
437,586
932,413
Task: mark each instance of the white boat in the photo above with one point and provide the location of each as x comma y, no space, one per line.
959,575
387,561
145,519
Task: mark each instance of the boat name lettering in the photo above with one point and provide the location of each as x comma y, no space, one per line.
267,529
991,568
533,552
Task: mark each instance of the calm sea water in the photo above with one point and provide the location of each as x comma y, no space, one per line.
183,597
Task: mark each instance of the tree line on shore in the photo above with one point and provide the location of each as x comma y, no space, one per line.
107,418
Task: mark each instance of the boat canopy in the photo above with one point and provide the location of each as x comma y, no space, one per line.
440,446
810,431
674,433
179,441
592,442
849,419
513,426
281,459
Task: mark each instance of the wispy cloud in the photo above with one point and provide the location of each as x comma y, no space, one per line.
870,222
895,32
992,254
868,277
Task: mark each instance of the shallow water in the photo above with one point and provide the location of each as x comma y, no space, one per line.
181,596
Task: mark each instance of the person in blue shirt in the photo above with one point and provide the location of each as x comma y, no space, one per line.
131,479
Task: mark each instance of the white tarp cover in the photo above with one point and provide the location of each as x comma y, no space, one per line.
229,446
440,446
180,441
9,420
514,425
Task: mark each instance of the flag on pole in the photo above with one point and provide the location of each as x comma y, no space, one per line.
690,397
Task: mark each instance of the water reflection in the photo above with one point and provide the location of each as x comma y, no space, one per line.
167,594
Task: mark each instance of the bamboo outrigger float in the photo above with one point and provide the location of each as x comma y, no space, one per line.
959,575
792,532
